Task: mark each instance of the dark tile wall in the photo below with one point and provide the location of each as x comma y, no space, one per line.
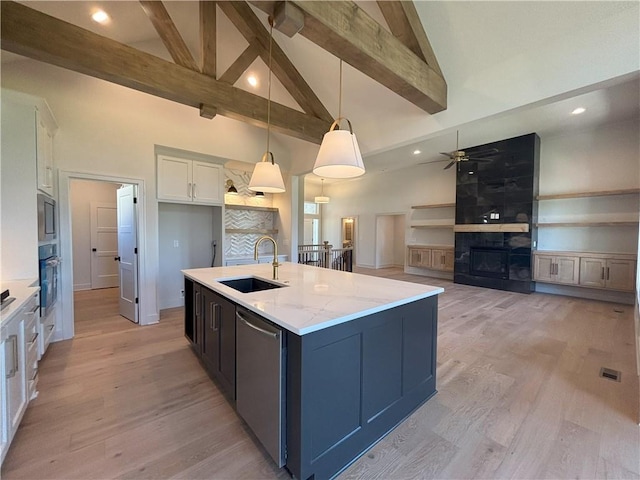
504,187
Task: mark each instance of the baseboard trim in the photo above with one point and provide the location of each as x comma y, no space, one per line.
81,286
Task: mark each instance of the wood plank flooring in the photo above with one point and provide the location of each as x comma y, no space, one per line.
519,396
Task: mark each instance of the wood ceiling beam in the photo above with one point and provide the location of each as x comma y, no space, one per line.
208,37
33,34
348,32
169,34
406,26
237,68
250,26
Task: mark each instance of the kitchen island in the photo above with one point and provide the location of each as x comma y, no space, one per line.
352,356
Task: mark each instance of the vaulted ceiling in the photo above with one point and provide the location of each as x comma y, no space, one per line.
400,59
511,68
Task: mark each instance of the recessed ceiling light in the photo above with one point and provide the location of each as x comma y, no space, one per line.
578,111
253,81
100,16
417,152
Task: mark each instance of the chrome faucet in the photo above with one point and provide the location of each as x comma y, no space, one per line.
275,254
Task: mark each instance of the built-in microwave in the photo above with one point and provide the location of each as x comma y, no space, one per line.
46,218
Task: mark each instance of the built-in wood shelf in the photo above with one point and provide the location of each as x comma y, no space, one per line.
602,193
250,207
432,225
434,205
587,224
261,231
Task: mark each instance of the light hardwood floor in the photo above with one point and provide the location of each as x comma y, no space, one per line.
519,396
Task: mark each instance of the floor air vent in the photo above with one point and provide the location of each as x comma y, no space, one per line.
610,374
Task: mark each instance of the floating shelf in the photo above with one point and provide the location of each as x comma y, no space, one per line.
432,225
261,231
434,205
587,224
250,207
493,227
602,193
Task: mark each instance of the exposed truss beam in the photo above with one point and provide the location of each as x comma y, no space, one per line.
237,68
208,37
35,35
241,15
345,30
169,34
405,24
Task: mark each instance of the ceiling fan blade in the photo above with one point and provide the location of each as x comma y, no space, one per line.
432,161
450,155
449,166
479,160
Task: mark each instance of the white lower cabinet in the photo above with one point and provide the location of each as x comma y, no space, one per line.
14,377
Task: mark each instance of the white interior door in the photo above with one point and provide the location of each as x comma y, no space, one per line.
128,252
104,245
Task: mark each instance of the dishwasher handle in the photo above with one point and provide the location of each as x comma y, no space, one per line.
275,335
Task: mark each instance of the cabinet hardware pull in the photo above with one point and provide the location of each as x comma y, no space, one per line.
33,340
35,309
607,273
214,324
197,304
14,343
194,190
255,327
189,189
602,274
50,327
35,374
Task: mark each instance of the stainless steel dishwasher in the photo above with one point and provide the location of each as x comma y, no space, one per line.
260,380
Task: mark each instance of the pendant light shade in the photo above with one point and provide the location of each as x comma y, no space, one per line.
266,176
339,155
321,198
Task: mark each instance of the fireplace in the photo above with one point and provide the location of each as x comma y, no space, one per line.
492,262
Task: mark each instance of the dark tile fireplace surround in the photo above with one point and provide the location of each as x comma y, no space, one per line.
500,195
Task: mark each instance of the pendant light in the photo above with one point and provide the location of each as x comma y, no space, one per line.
266,175
339,155
321,198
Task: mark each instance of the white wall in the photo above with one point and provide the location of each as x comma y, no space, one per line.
605,158
111,131
399,231
83,192
185,234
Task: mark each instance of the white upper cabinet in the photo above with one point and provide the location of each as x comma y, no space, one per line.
188,181
44,153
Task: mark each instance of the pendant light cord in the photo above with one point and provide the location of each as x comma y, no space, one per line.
340,94
269,88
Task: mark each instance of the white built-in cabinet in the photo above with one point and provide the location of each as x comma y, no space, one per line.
611,273
13,376
182,180
432,257
44,153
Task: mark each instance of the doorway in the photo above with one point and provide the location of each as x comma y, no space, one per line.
77,249
390,240
103,239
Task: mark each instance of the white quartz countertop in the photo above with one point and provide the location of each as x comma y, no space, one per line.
21,290
314,298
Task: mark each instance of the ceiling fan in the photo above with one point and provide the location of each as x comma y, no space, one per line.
458,156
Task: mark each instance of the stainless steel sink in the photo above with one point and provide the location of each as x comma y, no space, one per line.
249,284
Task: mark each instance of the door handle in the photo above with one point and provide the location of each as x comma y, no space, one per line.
117,259
255,327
